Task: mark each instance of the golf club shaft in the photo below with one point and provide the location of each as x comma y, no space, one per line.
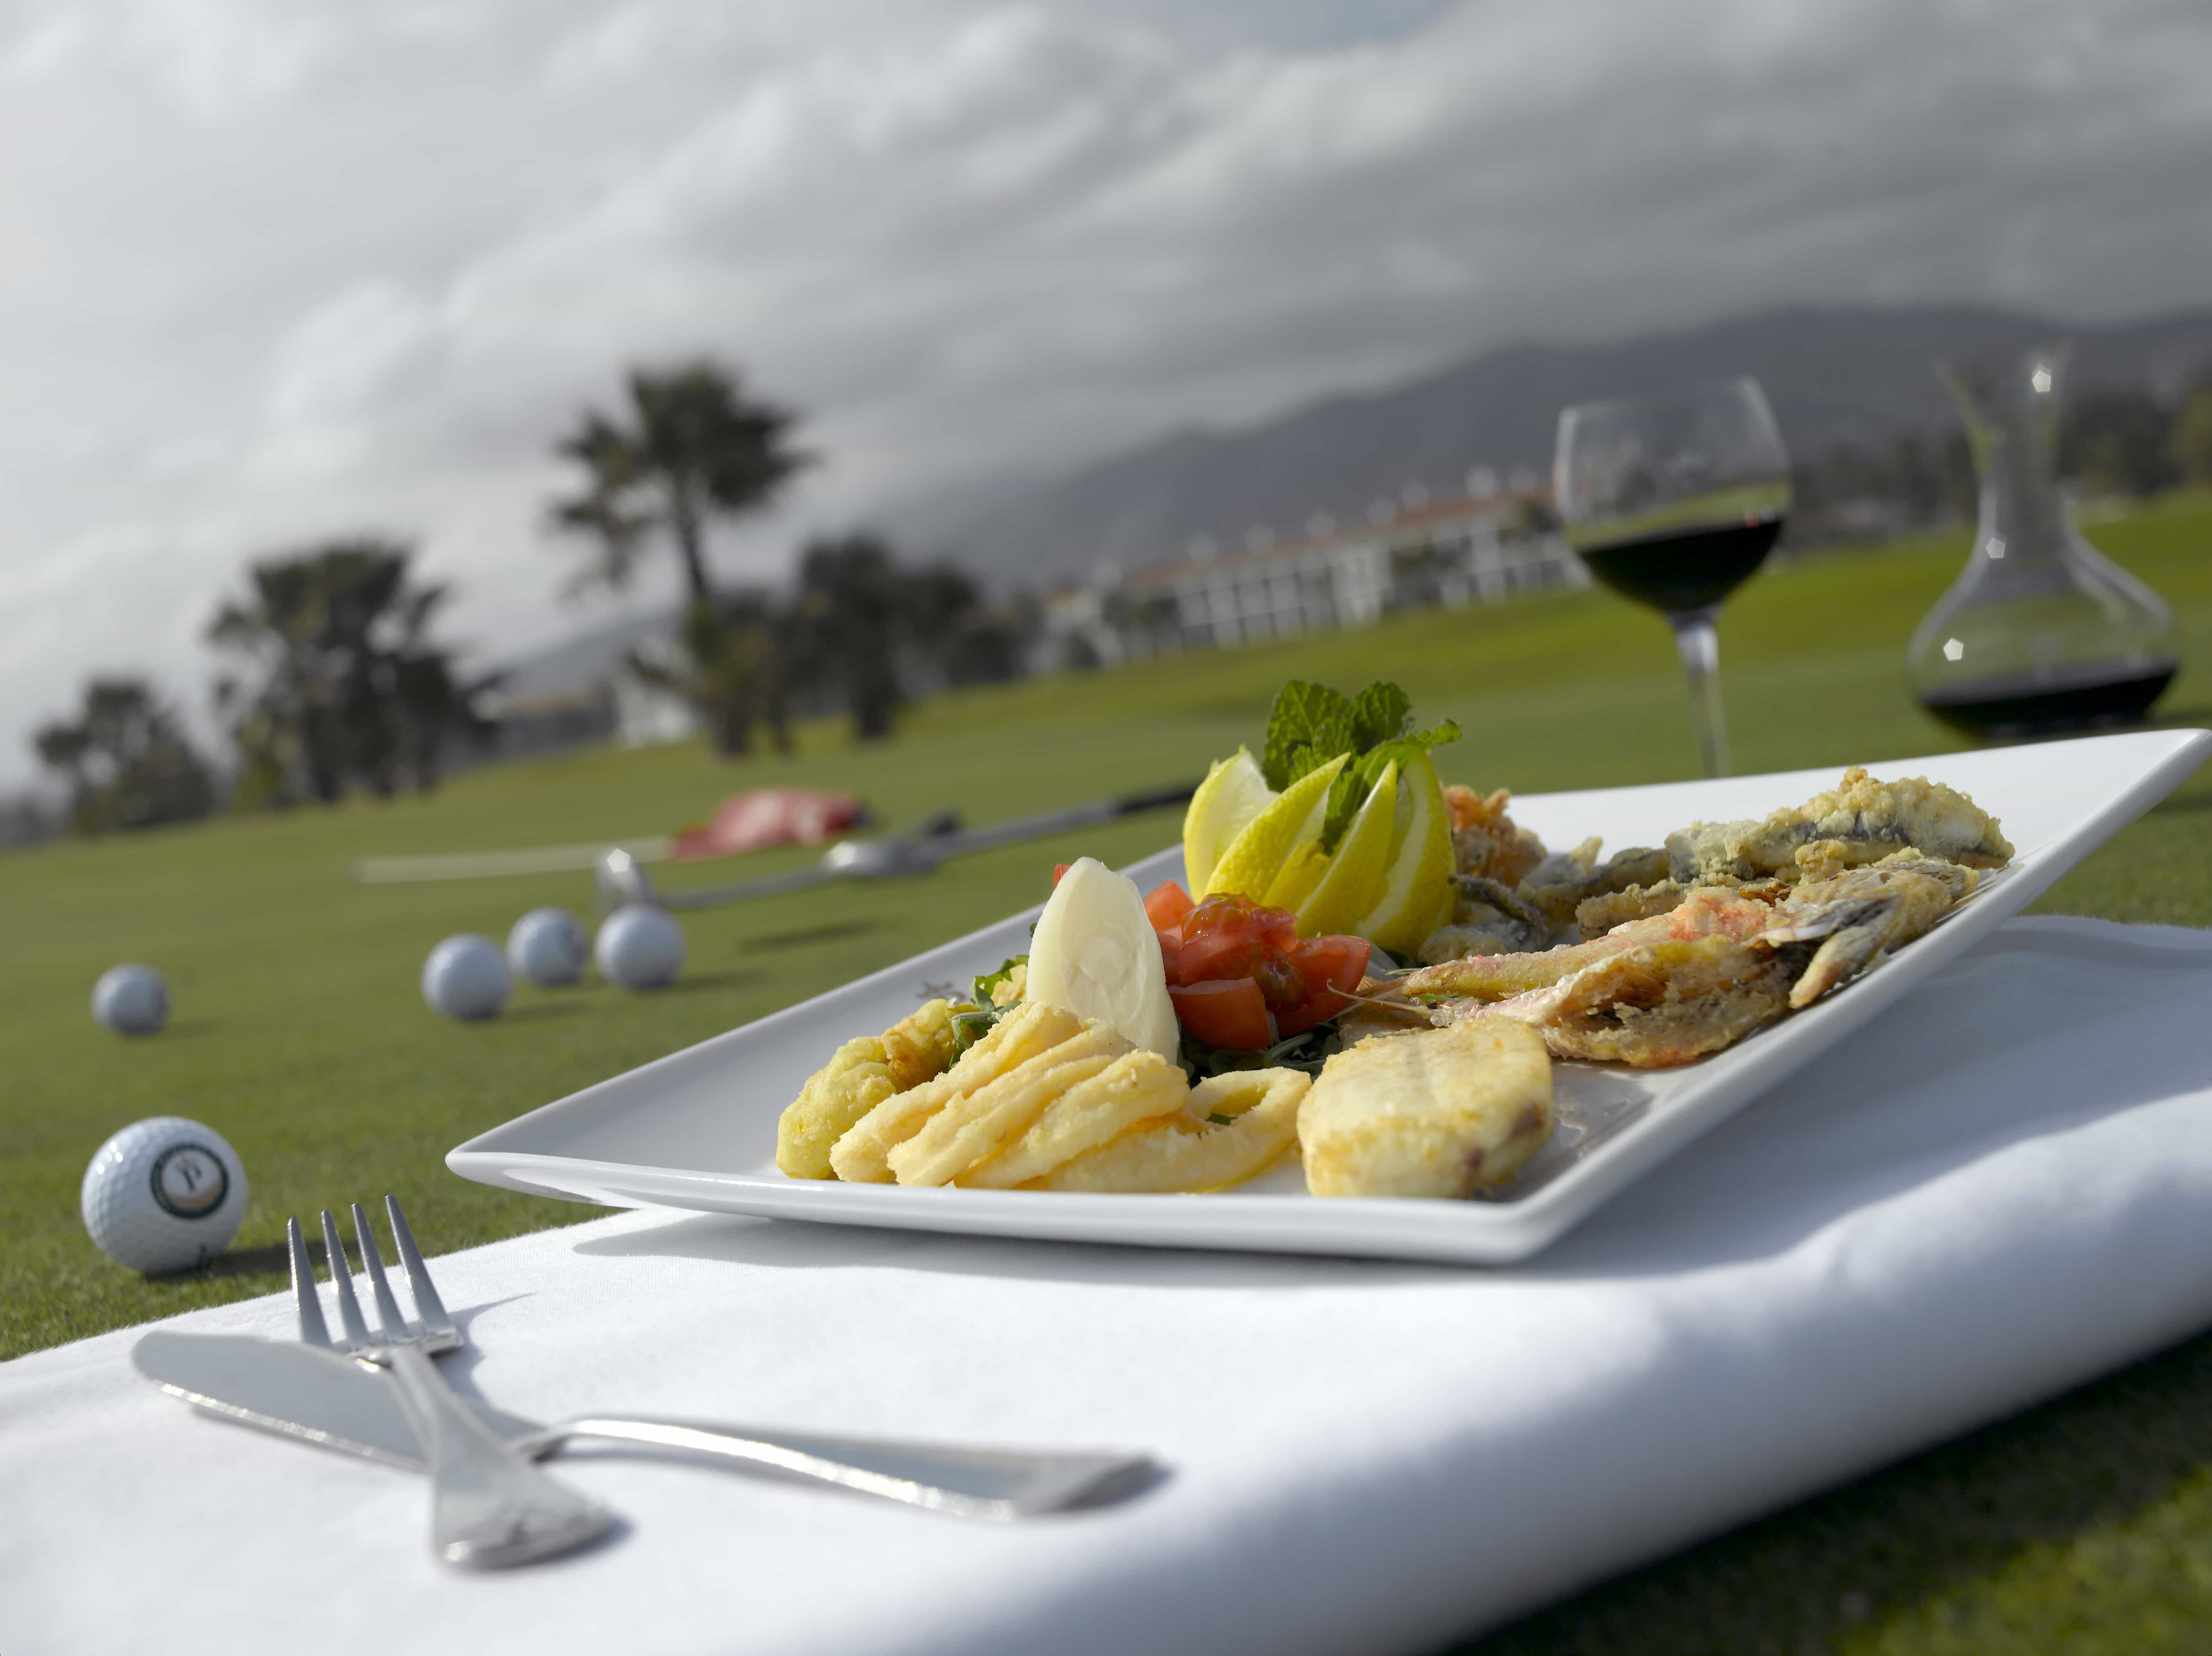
959,844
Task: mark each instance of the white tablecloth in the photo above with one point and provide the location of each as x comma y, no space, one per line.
2004,1189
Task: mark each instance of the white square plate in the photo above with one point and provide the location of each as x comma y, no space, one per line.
696,1129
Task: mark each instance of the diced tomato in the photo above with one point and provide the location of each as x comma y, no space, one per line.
1167,905
1332,968
1059,873
1278,928
1340,962
1225,1012
1171,951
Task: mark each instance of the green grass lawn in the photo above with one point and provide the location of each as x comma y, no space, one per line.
300,1035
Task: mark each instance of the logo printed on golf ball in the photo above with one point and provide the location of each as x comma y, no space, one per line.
190,1180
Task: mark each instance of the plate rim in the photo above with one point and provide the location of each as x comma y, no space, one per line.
1433,1228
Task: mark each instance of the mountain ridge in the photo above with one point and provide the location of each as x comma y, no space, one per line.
1860,375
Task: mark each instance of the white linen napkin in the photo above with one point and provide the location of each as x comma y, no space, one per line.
2003,1189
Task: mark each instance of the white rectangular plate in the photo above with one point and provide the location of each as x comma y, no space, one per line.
696,1129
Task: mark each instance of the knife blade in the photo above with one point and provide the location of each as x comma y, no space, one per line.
297,1392
335,1402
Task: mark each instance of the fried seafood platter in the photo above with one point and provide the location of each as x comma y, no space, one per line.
1370,977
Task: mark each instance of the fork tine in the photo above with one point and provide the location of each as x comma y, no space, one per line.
428,1305
356,1331
372,1261
305,1302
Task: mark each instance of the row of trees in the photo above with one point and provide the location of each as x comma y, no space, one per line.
692,448
2111,444
334,679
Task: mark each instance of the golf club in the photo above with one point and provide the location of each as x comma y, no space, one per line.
620,877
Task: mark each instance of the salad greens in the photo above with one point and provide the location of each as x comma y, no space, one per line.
972,1025
1311,723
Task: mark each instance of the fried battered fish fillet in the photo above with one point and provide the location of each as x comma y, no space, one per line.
860,1075
1860,821
1442,1111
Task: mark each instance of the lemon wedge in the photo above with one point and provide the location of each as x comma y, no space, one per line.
1095,953
1358,873
1277,835
1233,793
1417,891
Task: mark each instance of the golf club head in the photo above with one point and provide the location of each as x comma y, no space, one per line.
621,880
881,859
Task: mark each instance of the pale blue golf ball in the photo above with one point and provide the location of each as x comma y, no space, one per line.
639,946
465,977
548,947
164,1194
131,1000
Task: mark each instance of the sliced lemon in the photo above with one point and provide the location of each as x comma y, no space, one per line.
1300,875
1233,793
1258,853
1417,888
1359,870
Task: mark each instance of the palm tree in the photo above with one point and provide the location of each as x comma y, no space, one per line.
692,446
696,448
128,760
348,682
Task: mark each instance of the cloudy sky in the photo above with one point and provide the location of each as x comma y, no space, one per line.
271,270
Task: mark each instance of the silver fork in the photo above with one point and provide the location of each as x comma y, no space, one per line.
489,1506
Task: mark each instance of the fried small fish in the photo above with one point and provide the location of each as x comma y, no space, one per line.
1658,1004
1863,819
1485,841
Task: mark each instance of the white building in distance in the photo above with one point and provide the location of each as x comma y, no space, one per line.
1414,553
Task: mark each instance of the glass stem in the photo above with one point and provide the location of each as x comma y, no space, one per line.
1701,663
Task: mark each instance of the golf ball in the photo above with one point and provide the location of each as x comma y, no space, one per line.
465,977
131,1000
639,946
548,947
164,1194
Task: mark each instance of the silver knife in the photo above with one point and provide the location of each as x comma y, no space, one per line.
337,1403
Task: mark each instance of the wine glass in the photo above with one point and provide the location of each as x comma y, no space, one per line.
1673,500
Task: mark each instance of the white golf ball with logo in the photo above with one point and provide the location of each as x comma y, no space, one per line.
639,946
548,947
466,978
131,1000
164,1194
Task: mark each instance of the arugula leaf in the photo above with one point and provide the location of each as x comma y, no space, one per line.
971,1026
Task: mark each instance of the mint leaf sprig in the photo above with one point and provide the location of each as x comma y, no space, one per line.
1311,723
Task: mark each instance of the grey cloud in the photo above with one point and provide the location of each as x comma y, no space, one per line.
280,267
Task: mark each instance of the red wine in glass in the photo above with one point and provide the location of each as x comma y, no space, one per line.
1689,569
1674,500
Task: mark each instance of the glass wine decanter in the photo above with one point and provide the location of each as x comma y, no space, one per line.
2040,633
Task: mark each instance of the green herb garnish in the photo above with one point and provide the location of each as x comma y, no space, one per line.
1311,723
970,1026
